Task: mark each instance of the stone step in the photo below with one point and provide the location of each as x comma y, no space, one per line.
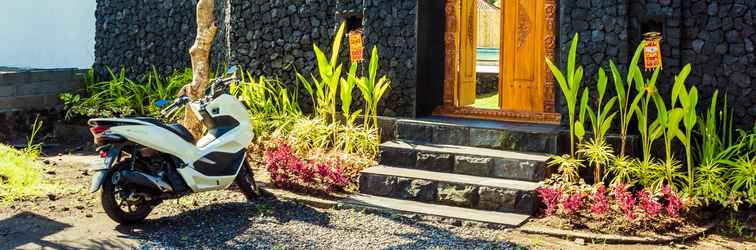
468,191
510,136
483,162
406,206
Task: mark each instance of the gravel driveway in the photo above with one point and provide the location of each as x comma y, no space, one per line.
276,224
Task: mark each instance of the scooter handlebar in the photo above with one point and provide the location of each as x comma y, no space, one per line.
176,104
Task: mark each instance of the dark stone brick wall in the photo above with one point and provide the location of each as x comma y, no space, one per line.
272,38
716,37
719,39
140,34
603,29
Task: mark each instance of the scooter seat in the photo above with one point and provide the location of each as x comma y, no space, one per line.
175,128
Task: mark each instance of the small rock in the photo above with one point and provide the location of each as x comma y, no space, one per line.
580,241
46,161
80,207
85,172
52,197
89,215
50,172
64,209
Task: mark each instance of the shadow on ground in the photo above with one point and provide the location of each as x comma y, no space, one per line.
216,224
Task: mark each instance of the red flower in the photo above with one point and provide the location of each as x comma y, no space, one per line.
550,197
649,204
673,201
625,200
600,201
286,168
573,202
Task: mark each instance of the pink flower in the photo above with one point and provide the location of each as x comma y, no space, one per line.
600,201
649,204
573,202
625,200
673,201
550,197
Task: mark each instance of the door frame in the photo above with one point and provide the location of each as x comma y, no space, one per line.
452,57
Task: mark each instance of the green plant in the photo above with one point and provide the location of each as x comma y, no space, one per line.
21,172
742,176
323,90
667,126
688,100
646,90
623,169
271,106
568,167
570,86
121,96
347,87
372,89
597,150
623,88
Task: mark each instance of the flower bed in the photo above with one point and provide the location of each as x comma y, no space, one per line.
642,194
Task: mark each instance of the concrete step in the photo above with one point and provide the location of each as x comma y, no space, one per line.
510,136
482,162
467,191
383,203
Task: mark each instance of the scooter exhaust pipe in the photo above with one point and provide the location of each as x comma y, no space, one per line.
142,180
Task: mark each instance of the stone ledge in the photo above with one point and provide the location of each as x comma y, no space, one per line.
448,189
482,162
613,238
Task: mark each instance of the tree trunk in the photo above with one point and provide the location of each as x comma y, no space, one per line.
200,55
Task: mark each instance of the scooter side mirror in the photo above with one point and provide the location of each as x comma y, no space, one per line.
231,70
161,103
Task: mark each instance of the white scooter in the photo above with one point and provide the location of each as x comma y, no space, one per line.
147,161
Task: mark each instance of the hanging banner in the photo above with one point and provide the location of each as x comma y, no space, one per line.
355,46
652,56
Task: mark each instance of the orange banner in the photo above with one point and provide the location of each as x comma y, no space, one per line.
355,46
652,56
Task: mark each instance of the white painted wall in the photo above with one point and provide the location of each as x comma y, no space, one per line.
47,33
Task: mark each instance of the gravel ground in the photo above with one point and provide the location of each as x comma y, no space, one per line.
275,224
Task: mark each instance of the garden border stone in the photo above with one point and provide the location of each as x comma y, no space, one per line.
613,238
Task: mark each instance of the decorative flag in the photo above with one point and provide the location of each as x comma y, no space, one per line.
355,45
652,56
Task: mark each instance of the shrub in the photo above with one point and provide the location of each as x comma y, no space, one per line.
21,175
674,203
573,202
550,197
600,201
649,205
625,200
288,170
121,96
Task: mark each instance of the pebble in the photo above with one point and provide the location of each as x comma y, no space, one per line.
269,223
580,241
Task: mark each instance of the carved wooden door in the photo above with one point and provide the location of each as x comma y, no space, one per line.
468,45
522,66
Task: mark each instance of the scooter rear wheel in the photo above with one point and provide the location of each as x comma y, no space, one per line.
245,180
116,206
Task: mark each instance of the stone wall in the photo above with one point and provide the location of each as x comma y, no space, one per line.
36,89
275,38
716,37
272,38
30,94
719,42
139,34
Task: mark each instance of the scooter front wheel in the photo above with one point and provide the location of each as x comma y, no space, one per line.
245,180
118,206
